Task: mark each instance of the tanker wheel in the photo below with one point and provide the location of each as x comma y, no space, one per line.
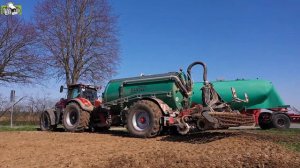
45,122
143,119
75,119
265,121
281,121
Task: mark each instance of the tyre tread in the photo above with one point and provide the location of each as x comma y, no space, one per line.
156,111
84,119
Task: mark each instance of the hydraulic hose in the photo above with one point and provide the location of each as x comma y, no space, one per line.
189,76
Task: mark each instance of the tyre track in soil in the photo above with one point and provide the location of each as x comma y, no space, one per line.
118,149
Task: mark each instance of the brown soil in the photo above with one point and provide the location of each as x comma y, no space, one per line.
118,149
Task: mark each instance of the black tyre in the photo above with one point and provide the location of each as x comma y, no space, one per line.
265,121
75,119
45,122
143,119
281,121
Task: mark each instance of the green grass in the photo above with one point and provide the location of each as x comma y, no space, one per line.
18,128
290,131
17,123
295,146
289,138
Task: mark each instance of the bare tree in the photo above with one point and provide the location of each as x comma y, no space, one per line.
79,38
38,104
3,103
19,62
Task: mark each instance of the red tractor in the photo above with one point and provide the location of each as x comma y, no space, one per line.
79,111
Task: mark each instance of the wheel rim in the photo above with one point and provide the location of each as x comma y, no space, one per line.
45,121
266,118
281,122
141,120
72,118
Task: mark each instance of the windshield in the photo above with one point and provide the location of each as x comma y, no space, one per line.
89,94
73,93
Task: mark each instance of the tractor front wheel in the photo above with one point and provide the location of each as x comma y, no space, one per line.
75,119
143,119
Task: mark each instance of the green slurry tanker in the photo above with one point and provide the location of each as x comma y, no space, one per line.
261,92
149,105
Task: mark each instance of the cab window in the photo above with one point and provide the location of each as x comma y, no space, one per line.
75,93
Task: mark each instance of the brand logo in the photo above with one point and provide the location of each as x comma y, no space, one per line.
11,9
137,89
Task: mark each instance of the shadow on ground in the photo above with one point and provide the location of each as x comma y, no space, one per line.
199,138
55,130
195,138
119,133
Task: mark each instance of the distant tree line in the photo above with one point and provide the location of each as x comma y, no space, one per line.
26,112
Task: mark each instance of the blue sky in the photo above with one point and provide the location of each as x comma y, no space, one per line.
236,38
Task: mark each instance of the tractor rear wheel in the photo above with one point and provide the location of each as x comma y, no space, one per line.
45,122
143,119
75,119
281,121
265,121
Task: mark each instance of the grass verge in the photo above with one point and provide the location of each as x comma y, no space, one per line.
18,128
290,131
289,138
295,146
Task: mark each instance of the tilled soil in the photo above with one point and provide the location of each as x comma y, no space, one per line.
118,149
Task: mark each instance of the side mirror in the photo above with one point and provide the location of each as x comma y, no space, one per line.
238,100
61,89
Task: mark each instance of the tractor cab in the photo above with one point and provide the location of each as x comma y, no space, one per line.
88,92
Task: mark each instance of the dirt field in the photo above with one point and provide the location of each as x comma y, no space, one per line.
232,148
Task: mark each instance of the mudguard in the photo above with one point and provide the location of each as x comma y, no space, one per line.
85,104
162,105
51,113
275,113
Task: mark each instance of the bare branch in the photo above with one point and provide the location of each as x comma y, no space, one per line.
19,62
81,38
